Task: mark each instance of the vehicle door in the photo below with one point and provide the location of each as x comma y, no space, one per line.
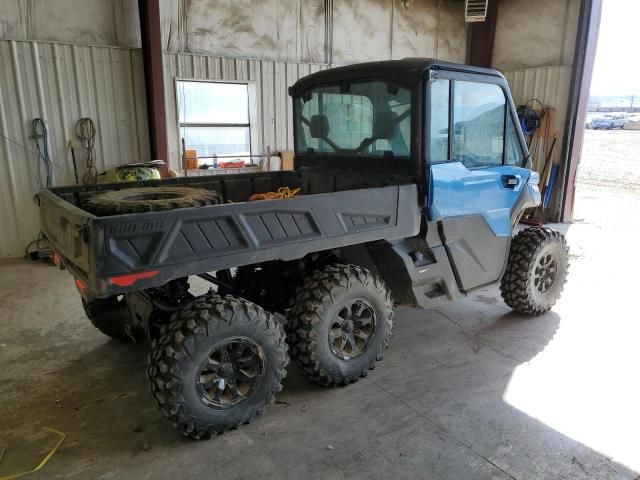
476,162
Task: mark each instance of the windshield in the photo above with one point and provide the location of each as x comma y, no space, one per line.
371,119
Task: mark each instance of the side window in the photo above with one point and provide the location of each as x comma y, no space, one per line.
478,124
513,155
214,119
439,134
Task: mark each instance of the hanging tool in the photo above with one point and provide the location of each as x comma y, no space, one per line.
73,159
544,178
86,132
184,158
546,199
544,175
41,137
537,216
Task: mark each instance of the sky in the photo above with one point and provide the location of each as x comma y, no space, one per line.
617,69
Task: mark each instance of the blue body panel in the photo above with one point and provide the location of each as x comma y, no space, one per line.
476,210
458,191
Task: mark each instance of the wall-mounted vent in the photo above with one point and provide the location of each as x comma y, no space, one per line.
475,10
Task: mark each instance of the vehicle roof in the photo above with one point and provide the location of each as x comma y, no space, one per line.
408,71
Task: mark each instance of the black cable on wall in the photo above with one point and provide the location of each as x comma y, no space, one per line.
41,137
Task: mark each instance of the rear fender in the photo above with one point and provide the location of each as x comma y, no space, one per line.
415,273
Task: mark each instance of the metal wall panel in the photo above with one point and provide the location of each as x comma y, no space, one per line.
272,123
87,22
551,86
62,83
535,34
315,31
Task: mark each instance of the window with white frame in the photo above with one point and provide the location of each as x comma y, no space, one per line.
214,120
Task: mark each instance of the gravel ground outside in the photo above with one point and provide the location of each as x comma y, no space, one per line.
610,162
608,182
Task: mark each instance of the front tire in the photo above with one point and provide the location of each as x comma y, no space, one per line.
536,270
217,365
340,324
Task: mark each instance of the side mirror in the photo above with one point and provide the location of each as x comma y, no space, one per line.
385,125
319,126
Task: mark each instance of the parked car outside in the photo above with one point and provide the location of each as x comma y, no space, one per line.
609,122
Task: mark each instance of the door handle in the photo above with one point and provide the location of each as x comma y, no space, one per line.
510,181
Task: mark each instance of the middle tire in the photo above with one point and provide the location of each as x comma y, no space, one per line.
340,324
272,285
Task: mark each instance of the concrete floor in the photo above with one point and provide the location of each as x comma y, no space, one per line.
470,391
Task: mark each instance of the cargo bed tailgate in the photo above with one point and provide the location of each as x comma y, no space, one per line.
67,229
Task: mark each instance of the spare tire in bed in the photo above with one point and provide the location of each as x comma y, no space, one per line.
149,199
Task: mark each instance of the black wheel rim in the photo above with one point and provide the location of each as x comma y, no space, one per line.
231,372
352,329
546,272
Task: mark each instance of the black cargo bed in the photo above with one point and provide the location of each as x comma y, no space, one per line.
103,252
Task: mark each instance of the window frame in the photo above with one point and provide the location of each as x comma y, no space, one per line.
251,114
518,131
510,114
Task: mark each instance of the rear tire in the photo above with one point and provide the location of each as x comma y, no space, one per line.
217,365
340,324
536,270
111,316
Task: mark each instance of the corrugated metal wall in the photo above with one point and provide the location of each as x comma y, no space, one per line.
62,83
551,86
273,126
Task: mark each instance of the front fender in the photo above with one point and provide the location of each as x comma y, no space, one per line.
529,198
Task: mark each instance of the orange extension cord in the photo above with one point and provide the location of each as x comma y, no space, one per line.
283,192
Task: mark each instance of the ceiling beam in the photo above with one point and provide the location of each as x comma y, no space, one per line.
481,37
151,33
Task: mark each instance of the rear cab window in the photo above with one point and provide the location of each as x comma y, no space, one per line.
360,119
